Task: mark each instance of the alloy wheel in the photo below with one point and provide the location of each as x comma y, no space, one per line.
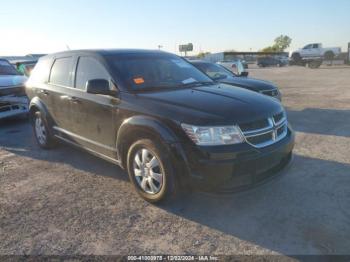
148,171
40,131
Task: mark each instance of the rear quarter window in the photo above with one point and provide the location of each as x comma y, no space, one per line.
41,71
61,72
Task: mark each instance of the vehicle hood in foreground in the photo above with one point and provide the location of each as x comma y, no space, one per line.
12,80
214,104
249,83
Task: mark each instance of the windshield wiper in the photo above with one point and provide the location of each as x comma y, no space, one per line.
219,77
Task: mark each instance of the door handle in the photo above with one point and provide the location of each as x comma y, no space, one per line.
44,92
71,99
74,100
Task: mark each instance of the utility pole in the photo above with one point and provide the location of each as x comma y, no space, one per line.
160,47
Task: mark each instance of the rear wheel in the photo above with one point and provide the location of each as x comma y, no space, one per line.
151,171
329,55
41,131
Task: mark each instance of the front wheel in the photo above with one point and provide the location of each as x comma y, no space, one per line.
41,131
151,171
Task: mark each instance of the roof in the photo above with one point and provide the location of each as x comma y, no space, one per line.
200,61
109,52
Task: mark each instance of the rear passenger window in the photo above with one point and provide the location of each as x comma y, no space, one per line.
61,72
88,69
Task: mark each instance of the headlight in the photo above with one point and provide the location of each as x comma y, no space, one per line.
213,135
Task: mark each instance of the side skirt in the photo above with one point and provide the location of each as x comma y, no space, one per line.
93,152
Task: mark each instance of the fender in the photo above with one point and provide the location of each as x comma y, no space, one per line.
157,129
37,103
146,123
141,124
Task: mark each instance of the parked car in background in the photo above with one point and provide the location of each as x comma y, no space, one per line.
220,74
159,117
267,61
235,67
25,67
316,50
13,100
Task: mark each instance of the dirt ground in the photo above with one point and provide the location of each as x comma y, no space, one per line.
65,201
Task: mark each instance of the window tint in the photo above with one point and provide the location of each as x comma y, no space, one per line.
315,45
41,71
61,71
157,71
88,69
214,71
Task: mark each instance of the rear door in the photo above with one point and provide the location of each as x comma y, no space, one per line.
315,50
59,90
94,115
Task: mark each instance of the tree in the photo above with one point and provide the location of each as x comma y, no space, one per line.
203,54
281,43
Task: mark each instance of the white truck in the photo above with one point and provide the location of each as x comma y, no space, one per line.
315,51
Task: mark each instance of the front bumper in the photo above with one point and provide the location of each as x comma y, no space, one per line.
11,106
229,168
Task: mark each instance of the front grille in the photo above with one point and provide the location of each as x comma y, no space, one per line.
5,109
272,93
278,117
281,130
11,107
254,125
256,140
267,131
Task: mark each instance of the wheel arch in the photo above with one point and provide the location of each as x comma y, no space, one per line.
140,127
37,105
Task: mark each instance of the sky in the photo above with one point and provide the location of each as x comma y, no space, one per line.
46,26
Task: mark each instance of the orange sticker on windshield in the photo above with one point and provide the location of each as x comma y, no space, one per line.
139,80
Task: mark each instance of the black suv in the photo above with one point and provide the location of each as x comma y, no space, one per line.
159,117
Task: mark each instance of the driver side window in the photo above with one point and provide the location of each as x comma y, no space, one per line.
89,68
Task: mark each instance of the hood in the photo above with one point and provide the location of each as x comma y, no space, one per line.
213,104
12,80
249,83
12,85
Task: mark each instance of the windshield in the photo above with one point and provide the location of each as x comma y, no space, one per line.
156,71
214,71
7,69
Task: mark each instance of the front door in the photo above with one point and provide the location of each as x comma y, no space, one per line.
94,115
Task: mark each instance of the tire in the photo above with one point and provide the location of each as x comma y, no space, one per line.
42,131
151,171
329,55
296,58
315,64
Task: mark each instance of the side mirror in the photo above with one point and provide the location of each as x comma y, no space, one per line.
244,74
99,86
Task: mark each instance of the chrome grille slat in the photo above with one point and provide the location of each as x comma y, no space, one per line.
273,128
